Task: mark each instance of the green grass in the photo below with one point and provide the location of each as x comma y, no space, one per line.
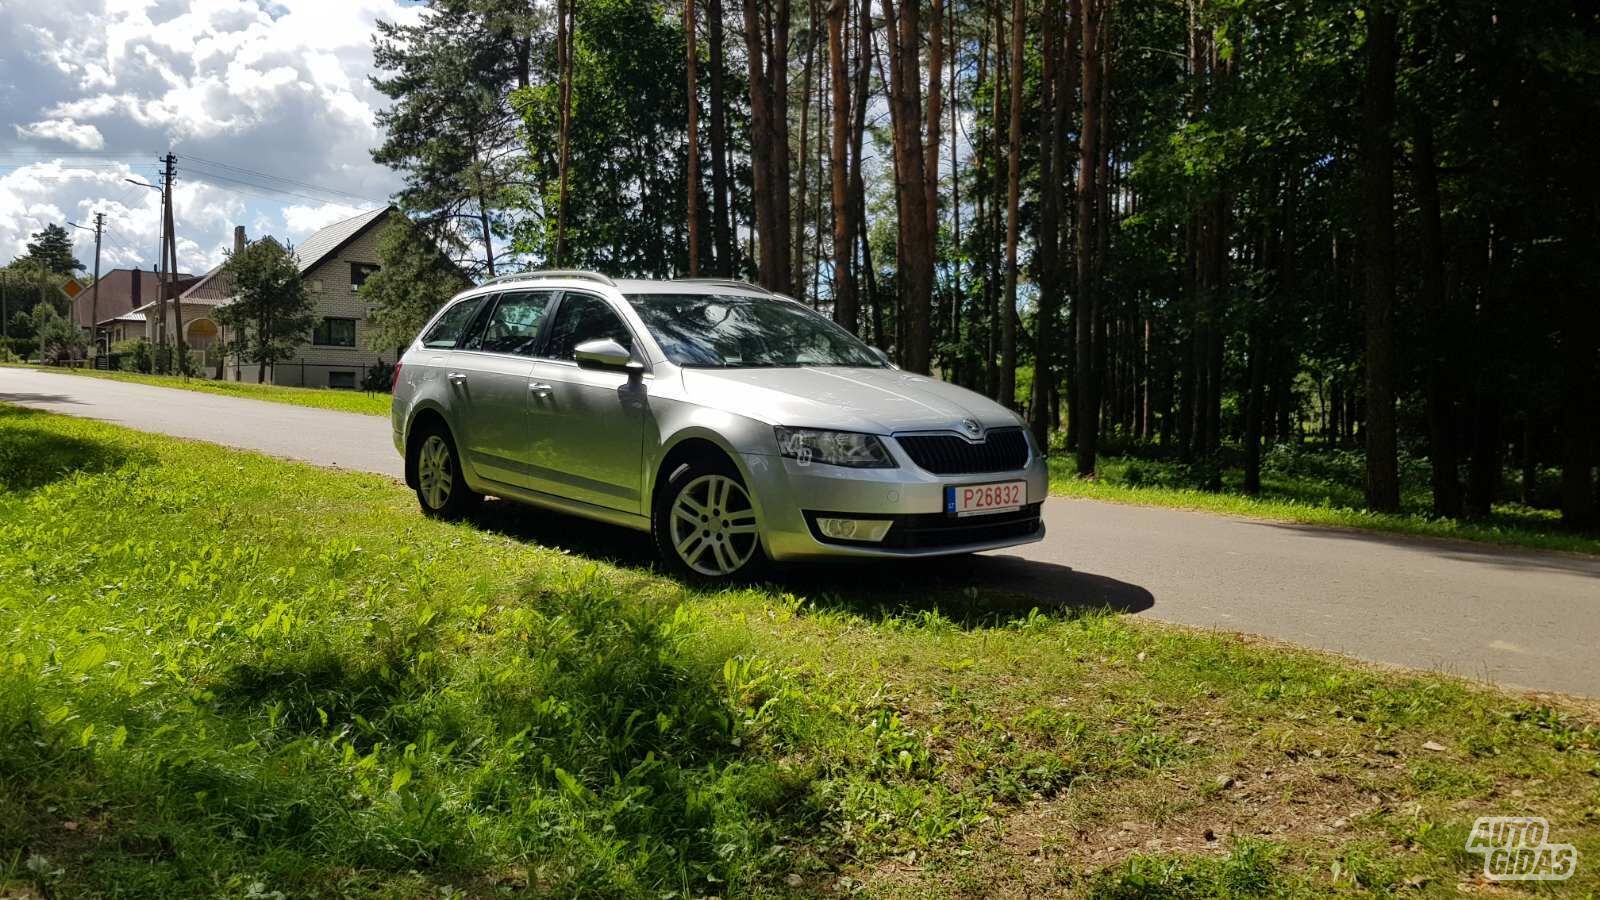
321,398
1312,487
225,675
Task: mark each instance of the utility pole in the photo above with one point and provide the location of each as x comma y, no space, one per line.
5,314
182,357
94,296
161,289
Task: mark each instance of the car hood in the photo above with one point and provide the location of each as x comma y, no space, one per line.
880,401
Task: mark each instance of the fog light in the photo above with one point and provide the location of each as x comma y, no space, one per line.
854,529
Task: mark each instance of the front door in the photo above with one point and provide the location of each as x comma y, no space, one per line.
491,376
588,425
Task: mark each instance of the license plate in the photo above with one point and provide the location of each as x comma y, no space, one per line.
981,499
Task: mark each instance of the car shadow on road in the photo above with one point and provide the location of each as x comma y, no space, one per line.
972,590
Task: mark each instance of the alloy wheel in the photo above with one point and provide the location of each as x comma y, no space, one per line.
435,473
713,526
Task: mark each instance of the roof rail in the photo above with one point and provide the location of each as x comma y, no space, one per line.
728,282
553,273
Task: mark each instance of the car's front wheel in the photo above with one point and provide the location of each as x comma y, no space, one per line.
705,524
441,490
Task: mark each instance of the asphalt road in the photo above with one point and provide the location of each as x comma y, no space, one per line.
1518,618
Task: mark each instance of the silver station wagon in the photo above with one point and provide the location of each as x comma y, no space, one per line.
734,424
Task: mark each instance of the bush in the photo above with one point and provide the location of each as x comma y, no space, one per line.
18,349
379,379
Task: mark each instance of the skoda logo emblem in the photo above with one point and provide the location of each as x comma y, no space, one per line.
971,427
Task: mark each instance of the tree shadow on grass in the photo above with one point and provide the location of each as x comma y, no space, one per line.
32,456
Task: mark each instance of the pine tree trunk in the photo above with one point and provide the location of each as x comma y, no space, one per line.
1008,327
693,166
1444,459
1086,411
565,26
845,311
1377,161
721,212
1052,124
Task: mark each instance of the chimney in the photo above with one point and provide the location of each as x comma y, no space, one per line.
238,238
138,287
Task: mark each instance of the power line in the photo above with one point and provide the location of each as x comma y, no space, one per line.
212,176
240,170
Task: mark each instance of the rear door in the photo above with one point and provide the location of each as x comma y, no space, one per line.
430,366
589,425
491,372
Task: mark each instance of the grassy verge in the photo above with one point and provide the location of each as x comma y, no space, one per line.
222,674
321,398
1311,500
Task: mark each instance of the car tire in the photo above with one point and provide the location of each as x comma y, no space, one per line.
442,491
704,524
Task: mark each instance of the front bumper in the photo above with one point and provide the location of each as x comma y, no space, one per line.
789,496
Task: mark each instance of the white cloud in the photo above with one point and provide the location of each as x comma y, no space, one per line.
68,131
235,87
302,220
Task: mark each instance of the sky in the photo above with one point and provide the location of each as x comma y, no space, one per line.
266,104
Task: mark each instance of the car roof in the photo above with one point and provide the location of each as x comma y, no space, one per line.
721,286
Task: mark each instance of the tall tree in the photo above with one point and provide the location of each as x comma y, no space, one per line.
1008,327
1086,305
452,129
693,163
766,35
1377,204
721,208
51,249
845,305
916,167
271,313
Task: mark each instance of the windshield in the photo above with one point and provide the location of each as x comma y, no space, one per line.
731,331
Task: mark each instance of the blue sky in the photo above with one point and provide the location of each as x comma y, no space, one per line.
267,106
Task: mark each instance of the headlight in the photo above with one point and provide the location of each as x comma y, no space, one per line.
834,448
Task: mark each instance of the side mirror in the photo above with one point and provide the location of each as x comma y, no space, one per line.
608,355
602,354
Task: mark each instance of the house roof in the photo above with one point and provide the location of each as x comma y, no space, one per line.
326,242
214,290
120,291
125,317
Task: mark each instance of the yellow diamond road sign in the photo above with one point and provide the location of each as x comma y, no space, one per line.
72,288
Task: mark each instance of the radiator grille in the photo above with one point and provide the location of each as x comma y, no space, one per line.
1004,450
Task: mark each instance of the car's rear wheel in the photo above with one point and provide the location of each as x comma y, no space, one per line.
441,490
705,523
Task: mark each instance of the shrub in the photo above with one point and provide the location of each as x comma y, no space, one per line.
379,379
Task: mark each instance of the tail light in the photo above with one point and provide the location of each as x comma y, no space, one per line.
395,382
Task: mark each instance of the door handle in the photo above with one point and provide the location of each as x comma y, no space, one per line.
540,389
457,377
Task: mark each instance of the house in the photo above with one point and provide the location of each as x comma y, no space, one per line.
333,262
121,292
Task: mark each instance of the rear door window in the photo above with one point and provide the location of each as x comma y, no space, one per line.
446,332
513,325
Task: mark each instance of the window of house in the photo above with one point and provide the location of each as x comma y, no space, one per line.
334,332
581,318
346,380
359,272
452,325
